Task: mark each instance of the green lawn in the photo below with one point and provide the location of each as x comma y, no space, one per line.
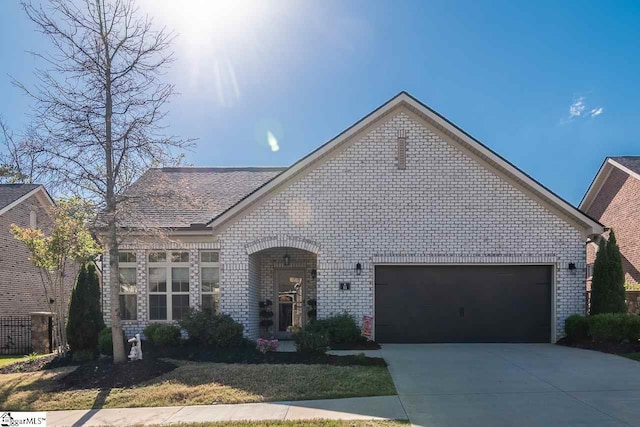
194,383
302,423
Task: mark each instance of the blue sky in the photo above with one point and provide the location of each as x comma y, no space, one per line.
552,86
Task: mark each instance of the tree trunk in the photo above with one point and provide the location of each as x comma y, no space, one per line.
119,354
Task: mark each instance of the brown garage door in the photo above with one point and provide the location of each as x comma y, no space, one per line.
468,303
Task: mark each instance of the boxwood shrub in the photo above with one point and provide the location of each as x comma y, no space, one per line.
605,327
207,328
162,334
311,342
341,329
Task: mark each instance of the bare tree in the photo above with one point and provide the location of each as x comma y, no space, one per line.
19,162
99,105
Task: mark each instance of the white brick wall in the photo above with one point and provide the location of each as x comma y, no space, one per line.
357,206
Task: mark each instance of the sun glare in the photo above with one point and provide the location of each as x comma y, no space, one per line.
212,36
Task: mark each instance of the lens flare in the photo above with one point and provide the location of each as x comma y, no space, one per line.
272,141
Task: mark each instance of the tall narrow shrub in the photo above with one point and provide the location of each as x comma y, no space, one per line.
84,321
607,285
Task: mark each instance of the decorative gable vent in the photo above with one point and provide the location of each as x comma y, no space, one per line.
402,149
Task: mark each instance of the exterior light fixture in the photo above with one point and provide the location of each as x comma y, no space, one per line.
358,269
314,274
572,266
286,259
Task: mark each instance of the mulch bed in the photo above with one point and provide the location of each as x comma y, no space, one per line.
103,374
367,345
45,362
605,347
249,355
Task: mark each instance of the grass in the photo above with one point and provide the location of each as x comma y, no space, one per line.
194,383
633,356
302,423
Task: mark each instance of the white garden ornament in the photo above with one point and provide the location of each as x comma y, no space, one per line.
136,348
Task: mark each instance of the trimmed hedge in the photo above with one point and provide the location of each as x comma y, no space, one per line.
606,327
207,328
162,334
341,329
311,342
577,328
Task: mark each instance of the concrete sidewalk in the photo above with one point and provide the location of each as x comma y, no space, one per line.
358,408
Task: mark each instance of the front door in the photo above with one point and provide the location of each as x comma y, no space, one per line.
289,310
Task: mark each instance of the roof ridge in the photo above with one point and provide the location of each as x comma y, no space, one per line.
222,169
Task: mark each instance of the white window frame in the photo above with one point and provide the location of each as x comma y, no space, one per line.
215,292
134,266
168,265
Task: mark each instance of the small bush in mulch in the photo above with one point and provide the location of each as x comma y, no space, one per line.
603,346
103,374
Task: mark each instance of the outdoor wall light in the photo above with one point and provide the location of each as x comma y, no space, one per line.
572,266
314,274
286,259
358,269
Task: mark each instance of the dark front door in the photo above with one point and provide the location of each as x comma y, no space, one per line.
290,293
469,303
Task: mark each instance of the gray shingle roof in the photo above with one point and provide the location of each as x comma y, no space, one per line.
629,162
9,193
179,197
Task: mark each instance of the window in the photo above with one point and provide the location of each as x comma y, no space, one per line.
589,271
210,279
168,285
128,286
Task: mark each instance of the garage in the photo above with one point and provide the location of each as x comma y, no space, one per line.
462,303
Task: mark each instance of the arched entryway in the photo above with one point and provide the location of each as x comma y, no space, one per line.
283,289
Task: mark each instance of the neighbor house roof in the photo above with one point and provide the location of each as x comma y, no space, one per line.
13,194
180,197
450,132
628,164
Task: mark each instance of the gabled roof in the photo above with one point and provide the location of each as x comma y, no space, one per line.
14,194
628,164
444,126
176,198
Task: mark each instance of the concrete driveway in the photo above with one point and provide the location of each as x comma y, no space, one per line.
513,385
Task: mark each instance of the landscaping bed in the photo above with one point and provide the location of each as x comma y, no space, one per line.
248,355
620,348
365,345
103,374
32,364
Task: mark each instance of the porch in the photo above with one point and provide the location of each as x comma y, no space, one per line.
283,290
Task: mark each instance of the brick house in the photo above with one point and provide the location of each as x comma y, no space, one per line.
26,205
613,198
403,217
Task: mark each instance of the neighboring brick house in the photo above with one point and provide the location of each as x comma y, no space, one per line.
403,217
613,198
21,289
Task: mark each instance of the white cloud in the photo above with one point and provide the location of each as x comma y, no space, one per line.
273,142
596,111
577,108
